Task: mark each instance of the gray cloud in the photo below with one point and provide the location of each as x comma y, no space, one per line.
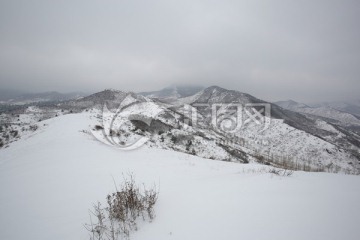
304,50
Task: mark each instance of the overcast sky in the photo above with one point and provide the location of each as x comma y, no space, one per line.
304,50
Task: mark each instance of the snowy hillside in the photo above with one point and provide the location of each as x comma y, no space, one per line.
50,180
290,137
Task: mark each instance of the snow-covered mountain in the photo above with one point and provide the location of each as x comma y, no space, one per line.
324,111
291,136
290,133
291,139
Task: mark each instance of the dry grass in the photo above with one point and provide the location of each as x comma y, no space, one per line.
124,209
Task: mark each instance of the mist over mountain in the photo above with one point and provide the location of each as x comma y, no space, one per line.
174,92
352,107
15,97
7,94
339,111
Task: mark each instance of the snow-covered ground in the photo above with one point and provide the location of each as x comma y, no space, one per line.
50,180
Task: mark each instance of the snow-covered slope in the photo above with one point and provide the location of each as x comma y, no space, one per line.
49,182
23,123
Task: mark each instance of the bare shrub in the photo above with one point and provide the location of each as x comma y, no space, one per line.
97,230
288,163
33,127
124,208
173,139
281,172
98,127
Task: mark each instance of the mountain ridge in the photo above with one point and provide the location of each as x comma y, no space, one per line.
297,140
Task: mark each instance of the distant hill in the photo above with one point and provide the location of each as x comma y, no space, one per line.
20,98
